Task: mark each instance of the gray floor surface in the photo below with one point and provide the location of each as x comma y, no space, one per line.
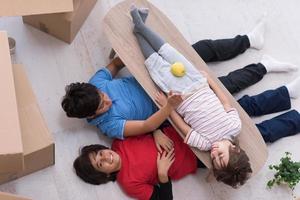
51,64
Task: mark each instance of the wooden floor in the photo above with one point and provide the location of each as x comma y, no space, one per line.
51,64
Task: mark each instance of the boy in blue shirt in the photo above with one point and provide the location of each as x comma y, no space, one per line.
121,108
118,107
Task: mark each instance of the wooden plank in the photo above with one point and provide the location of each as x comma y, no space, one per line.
34,7
118,28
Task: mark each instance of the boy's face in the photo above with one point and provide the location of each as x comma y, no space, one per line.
106,161
220,153
104,105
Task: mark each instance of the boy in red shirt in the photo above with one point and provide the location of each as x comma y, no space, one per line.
141,171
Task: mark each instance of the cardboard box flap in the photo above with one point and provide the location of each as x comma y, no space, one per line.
33,125
33,7
11,148
7,196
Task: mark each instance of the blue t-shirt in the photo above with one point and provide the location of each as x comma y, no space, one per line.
129,102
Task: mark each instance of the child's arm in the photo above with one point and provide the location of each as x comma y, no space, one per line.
115,66
184,128
139,127
218,91
180,123
192,137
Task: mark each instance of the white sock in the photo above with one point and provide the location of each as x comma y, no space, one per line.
294,88
273,65
256,36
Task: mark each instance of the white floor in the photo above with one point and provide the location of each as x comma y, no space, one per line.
52,64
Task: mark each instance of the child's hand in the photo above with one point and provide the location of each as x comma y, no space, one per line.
117,61
162,141
174,100
161,98
164,162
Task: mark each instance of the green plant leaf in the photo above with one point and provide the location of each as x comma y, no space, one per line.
287,172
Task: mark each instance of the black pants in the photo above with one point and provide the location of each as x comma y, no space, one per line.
224,49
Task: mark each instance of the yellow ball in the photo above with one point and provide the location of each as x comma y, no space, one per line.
178,69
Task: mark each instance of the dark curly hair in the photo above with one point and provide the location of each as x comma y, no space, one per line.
81,100
85,170
238,169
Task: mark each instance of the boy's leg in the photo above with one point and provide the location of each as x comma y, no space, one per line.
273,65
281,126
294,88
240,79
223,49
270,101
154,39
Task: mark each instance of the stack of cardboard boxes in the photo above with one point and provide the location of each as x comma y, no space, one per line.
59,18
63,26
26,144
36,140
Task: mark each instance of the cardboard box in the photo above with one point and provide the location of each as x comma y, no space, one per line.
63,26
32,7
37,140
11,148
6,196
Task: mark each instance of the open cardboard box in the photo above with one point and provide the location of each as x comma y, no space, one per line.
63,26
37,140
6,196
33,7
11,148
26,144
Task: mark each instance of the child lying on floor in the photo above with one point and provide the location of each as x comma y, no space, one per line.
210,122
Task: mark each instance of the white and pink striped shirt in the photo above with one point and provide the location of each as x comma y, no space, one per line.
208,119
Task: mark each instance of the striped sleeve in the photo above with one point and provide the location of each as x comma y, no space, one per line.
236,122
197,140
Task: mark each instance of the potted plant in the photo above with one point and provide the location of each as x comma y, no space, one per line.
287,172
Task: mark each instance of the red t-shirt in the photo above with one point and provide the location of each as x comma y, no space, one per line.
138,173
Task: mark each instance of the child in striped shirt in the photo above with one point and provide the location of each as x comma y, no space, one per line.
210,122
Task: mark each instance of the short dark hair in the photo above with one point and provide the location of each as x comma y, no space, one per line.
238,169
81,100
85,170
